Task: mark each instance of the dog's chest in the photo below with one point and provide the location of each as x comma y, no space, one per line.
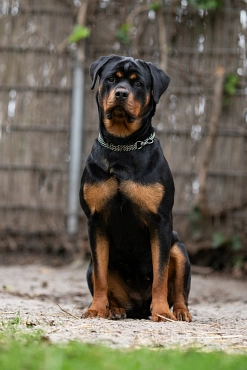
146,197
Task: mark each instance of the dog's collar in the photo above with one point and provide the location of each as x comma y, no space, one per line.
127,148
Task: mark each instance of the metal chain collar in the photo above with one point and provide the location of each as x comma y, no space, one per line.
127,148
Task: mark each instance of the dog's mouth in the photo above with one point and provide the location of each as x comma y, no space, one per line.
120,113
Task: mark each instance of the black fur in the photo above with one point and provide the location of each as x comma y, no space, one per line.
135,207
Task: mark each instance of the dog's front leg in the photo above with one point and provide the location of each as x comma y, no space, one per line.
160,246
100,256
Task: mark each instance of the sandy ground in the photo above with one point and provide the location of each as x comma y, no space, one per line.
52,299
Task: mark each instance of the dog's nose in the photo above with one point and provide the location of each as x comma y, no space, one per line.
121,94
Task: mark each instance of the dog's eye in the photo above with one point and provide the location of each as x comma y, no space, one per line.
138,84
111,79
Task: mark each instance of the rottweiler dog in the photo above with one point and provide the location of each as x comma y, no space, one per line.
138,268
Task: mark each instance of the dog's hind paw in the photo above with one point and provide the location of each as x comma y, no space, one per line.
116,314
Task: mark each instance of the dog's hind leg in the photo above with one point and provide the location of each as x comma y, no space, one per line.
118,296
179,281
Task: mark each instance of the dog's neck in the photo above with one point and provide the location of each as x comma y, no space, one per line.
139,144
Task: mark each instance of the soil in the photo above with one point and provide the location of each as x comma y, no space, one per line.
52,299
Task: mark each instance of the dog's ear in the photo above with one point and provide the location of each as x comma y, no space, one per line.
160,81
96,67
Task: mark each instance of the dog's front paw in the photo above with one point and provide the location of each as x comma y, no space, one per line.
89,314
116,314
182,315
163,316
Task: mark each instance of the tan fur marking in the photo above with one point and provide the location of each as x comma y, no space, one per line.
102,252
147,197
133,76
177,256
134,106
117,291
119,74
109,101
177,269
147,99
100,305
119,126
160,285
99,89
97,195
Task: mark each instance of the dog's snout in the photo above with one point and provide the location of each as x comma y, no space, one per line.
121,94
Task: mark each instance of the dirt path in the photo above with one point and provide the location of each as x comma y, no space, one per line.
40,294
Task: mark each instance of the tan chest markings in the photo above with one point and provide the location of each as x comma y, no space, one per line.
147,197
97,195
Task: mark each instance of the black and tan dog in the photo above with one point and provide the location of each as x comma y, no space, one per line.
139,268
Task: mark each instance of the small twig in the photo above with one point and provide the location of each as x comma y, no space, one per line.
218,336
81,21
166,318
7,313
231,336
135,12
68,313
162,41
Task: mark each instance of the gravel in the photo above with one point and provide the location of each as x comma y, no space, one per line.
52,299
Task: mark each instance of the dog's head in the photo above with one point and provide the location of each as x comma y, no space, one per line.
128,92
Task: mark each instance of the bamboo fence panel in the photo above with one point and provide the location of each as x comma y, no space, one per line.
35,106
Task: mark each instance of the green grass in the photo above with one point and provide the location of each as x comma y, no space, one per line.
30,350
